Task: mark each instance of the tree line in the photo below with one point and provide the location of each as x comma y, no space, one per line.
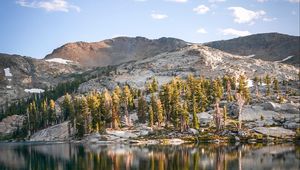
171,105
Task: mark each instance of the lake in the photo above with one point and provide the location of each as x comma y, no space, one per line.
58,156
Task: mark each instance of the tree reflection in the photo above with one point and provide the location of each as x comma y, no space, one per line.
155,157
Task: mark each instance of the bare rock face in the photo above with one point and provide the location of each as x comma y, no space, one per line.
10,124
57,132
115,51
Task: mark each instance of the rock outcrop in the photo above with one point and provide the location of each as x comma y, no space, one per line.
59,132
11,124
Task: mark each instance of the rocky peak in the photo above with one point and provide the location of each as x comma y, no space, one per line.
115,51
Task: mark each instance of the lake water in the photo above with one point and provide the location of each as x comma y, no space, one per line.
57,156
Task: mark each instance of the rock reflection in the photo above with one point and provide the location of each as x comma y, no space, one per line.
154,157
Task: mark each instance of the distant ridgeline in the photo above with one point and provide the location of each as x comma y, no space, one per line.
40,102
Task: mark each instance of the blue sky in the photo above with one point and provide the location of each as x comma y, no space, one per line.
36,27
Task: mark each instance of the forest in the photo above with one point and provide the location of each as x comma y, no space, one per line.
172,105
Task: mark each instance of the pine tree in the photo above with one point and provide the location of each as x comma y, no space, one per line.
67,107
243,89
51,112
44,111
106,107
195,118
165,97
94,104
268,82
217,90
127,101
175,104
154,85
115,111
185,118
151,116
275,86
82,116
160,113
142,106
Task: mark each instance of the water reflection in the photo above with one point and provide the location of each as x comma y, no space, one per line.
124,157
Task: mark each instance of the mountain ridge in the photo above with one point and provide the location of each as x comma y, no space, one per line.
266,46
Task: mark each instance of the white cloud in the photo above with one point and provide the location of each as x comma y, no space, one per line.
201,9
261,1
49,5
294,1
214,1
179,1
269,19
234,32
201,31
159,16
242,15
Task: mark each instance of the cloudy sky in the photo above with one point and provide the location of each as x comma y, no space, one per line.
35,27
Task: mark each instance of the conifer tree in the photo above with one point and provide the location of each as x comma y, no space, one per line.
185,118
151,116
268,82
94,104
243,89
166,101
195,118
154,85
127,101
44,111
106,107
67,107
160,114
115,111
142,106
175,104
51,112
275,86
217,90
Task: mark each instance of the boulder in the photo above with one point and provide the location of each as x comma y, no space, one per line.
205,119
275,132
291,125
292,108
193,131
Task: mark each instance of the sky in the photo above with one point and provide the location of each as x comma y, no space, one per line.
35,27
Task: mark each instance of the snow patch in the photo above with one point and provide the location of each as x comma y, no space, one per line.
249,83
8,87
251,56
59,60
34,90
7,72
289,57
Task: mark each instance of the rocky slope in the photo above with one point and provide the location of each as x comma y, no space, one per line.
195,59
18,73
115,51
268,46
